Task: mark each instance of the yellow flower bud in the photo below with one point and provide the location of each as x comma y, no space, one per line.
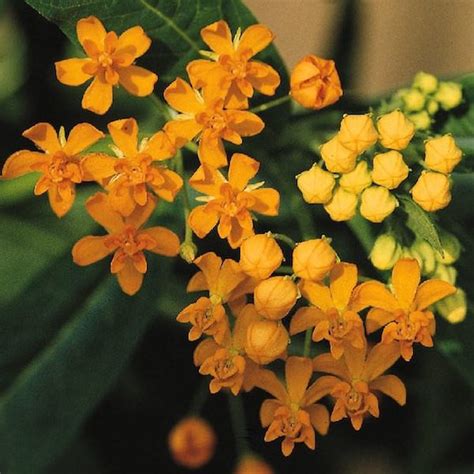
414,100
442,154
451,248
427,83
342,206
188,251
425,254
432,106
275,297
251,464
395,130
421,120
432,191
377,203
260,256
446,273
266,341
453,308
337,157
356,180
386,252
357,132
449,95
313,259
389,169
316,185
192,442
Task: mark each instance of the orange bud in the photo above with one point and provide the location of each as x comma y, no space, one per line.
432,191
192,442
260,256
251,464
377,203
316,185
266,341
389,169
442,154
337,157
357,132
315,83
275,297
342,206
357,180
395,130
313,259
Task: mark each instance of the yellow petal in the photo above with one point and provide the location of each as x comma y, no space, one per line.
317,294
91,34
377,318
141,213
129,278
326,363
256,38
23,162
267,410
211,151
267,201
100,210
202,71
137,80
89,250
373,293
182,97
304,319
246,124
319,417
298,371
167,241
320,388
202,220
218,37
98,166
392,386
431,291
381,357
70,71
82,136
343,279
405,280
125,135
61,200
160,147
44,137
134,41
98,96
241,170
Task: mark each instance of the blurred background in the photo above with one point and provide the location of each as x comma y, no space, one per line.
378,45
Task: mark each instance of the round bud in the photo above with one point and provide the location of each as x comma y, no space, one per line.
192,442
395,130
427,83
442,154
275,297
313,259
188,251
337,157
316,185
356,180
357,133
414,100
386,252
421,120
446,273
266,341
451,248
425,254
342,206
453,308
389,169
251,464
449,95
432,191
432,106
377,203
260,256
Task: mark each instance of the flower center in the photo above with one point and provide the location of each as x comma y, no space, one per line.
137,171
105,60
63,168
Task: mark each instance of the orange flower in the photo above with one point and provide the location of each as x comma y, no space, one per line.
404,312
333,313
192,442
354,379
293,412
128,177
315,82
126,240
205,115
110,62
231,71
60,164
229,202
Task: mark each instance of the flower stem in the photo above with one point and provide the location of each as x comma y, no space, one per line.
307,343
284,238
237,416
270,104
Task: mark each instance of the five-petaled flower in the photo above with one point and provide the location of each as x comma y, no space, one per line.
126,240
230,202
231,70
60,163
109,62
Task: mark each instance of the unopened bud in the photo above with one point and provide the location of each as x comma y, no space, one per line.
357,132
421,120
442,154
389,169
414,100
446,273
338,158
425,254
453,308
260,256
313,259
386,252
427,83
395,130
275,297
342,206
377,203
356,180
432,106
449,95
266,341
187,251
451,248
316,185
432,191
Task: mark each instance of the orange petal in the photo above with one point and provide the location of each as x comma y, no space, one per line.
141,213
44,137
246,317
319,417
267,201
343,279
89,250
121,198
381,357
181,132
82,136
210,266
70,71
98,166
268,381
211,151
326,363
392,386
218,37
91,34
23,162
137,80
235,98
201,71
160,147
61,200
182,97
134,41
373,293
262,77
125,135
377,318
317,294
202,220
129,278
255,38
238,233
207,180
405,280
230,275
241,170
246,124
431,291
204,350
98,96
320,388
267,410
197,282
354,359
171,186
100,210
298,371
167,242
304,319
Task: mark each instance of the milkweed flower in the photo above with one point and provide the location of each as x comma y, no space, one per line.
231,70
403,314
229,203
385,252
293,413
355,377
60,162
206,117
126,240
109,63
192,442
260,256
333,313
128,177
315,83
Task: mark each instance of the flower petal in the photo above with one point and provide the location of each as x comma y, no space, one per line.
268,381
298,371
218,37
124,133
98,166
70,71
242,169
319,417
160,147
267,410
182,97
326,363
89,250
100,210
246,124
207,180
431,291
317,294
203,71
405,280
392,386
381,357
121,198
98,96
373,293
320,388
134,41
377,318
167,242
44,137
263,77
23,162
202,220
129,278
171,185
211,150
61,199
343,279
82,136
197,282
255,38
137,80
205,349
247,316
181,132
304,319
267,201
210,265
141,213
91,34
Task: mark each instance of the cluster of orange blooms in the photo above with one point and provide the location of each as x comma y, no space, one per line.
250,308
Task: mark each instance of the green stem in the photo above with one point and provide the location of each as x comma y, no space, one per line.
200,398
237,416
270,104
363,232
188,232
307,343
284,238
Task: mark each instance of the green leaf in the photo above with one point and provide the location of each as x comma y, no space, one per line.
420,223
